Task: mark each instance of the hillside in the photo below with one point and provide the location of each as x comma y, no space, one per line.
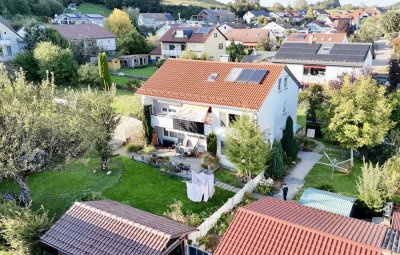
202,3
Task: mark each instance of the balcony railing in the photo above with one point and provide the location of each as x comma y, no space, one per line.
314,79
172,52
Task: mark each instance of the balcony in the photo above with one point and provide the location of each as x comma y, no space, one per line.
172,52
314,79
164,121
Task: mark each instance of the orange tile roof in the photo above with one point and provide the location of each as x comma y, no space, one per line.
249,35
276,227
396,220
318,37
187,80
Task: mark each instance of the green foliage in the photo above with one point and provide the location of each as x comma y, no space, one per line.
148,149
44,8
212,143
391,22
310,13
104,71
300,4
88,195
211,161
289,144
235,51
316,97
21,228
132,147
193,56
36,33
159,63
132,43
148,129
326,186
88,75
27,62
394,74
265,44
246,147
275,168
134,84
240,7
277,7
264,188
369,30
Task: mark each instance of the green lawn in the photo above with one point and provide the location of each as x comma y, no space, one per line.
228,177
137,184
89,8
119,80
128,104
301,117
144,72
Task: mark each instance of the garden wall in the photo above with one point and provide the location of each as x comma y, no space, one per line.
227,207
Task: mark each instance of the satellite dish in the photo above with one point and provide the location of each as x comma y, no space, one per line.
335,164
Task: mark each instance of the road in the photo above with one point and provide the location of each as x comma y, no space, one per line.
383,51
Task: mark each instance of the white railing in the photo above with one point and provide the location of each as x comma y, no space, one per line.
172,52
314,79
162,121
227,207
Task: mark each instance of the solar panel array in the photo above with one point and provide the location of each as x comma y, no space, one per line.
311,51
203,30
246,75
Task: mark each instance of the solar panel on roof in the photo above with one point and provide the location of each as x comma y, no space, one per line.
204,30
233,74
245,75
258,76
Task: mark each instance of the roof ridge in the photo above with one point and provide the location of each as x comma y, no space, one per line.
123,220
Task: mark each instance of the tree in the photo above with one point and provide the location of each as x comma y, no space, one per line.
133,43
315,100
36,33
277,7
235,51
265,44
300,4
310,14
240,7
246,147
369,30
27,62
275,168
391,22
212,144
119,23
153,41
262,20
104,71
392,166
357,114
146,122
88,75
54,59
289,145
394,74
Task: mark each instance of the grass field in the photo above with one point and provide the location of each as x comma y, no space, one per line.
119,80
89,8
228,177
136,184
301,117
144,72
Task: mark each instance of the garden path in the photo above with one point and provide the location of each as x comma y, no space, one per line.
295,180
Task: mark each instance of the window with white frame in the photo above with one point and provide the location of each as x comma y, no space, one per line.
227,118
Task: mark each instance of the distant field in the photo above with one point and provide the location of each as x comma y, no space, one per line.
203,3
94,8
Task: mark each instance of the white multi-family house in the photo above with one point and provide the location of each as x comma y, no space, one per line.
155,20
251,16
280,28
201,41
10,42
191,99
79,18
319,63
90,34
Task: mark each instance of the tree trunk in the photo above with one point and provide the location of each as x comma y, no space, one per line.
104,164
26,199
351,158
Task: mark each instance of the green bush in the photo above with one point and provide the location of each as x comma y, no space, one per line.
131,147
88,75
289,144
134,84
264,189
159,63
148,149
211,161
326,186
212,144
275,167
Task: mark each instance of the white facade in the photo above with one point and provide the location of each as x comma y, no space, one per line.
271,116
315,28
107,44
152,22
277,29
77,18
10,43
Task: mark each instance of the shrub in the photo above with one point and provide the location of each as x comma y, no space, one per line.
134,84
88,195
289,144
148,149
275,168
212,144
326,186
88,75
175,212
264,188
131,147
146,123
159,63
211,161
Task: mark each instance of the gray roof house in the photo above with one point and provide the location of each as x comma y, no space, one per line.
155,20
319,63
251,16
11,43
215,16
78,18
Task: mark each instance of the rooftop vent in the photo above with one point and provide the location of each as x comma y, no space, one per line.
246,75
212,77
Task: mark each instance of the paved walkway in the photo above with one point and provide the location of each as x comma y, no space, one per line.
295,180
226,187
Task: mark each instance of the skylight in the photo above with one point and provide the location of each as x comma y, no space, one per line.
212,77
246,75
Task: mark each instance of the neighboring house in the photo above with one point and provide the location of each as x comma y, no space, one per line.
78,18
317,37
295,16
320,13
214,16
160,32
192,98
328,201
199,40
272,226
109,227
279,16
155,20
249,37
317,26
155,55
258,56
251,16
280,28
320,63
90,34
134,61
233,25
328,20
11,43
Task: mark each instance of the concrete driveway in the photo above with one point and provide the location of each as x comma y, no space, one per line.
383,52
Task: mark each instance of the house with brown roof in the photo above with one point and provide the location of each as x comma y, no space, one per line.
207,41
275,227
108,227
192,98
232,25
89,34
318,38
249,37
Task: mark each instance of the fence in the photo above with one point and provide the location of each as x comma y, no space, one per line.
227,207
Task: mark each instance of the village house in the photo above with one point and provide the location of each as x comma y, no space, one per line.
192,98
272,226
232,25
317,26
251,16
320,13
201,41
90,34
155,55
214,16
78,18
155,20
279,16
295,16
10,42
250,37
109,227
280,28
317,38
320,63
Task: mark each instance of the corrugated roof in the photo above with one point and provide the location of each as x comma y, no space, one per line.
275,227
217,12
108,227
83,31
187,80
392,241
327,201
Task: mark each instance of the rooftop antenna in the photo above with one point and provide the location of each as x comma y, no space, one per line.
335,165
